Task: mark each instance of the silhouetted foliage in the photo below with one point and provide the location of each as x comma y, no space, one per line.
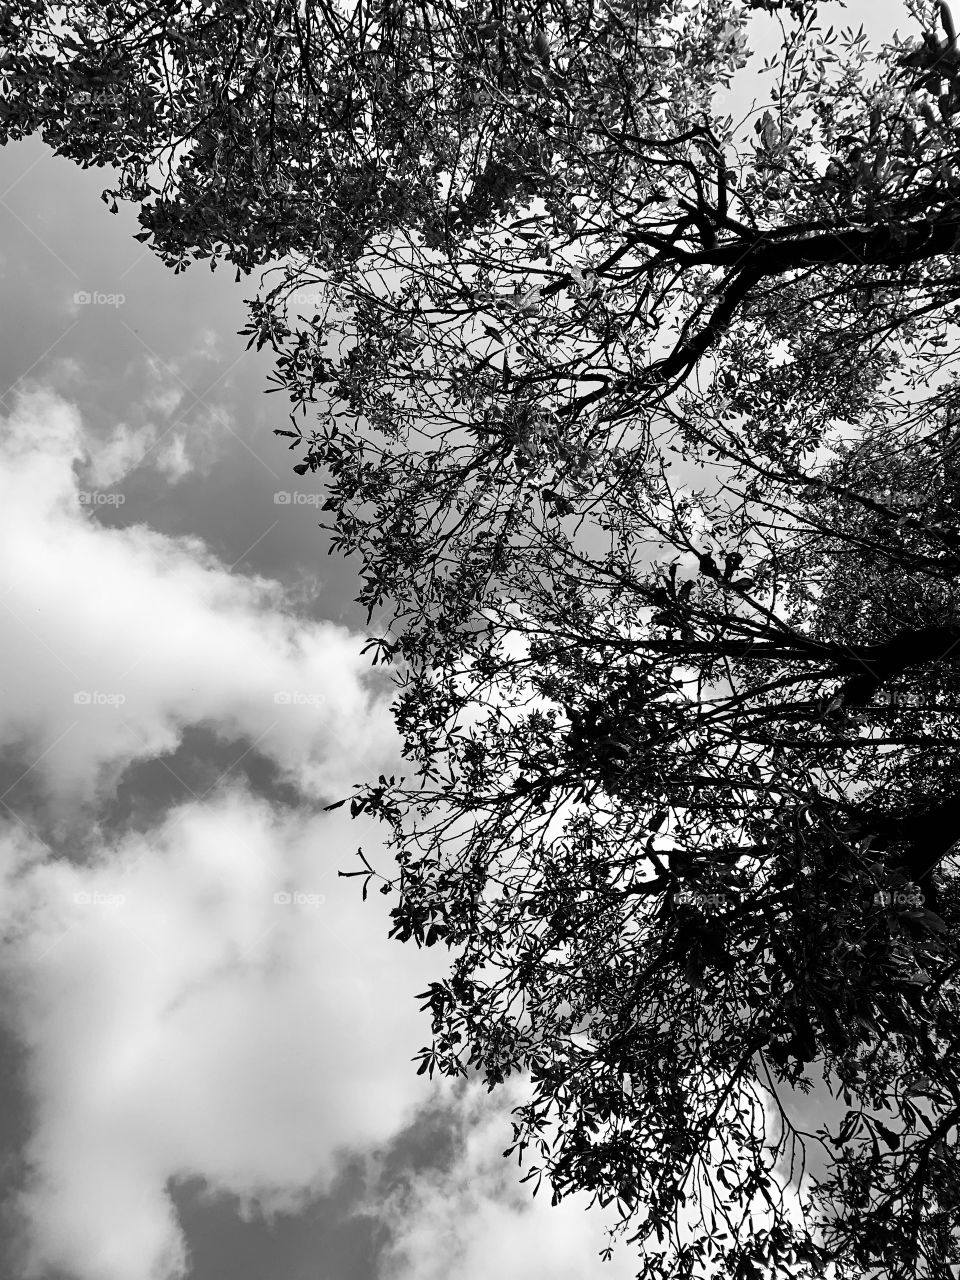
643,428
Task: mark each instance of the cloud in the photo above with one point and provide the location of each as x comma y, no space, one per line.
118,638
167,426
182,1022
203,998
128,448
172,431
475,1220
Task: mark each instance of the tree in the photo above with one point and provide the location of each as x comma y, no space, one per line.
643,429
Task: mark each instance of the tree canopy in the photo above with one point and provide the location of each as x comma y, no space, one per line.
642,423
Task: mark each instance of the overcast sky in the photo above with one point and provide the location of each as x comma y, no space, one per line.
205,1036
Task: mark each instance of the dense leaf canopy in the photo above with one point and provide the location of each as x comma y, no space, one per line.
642,423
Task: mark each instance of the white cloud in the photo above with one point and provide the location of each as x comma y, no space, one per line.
179,1020
167,427
476,1220
198,1028
126,448
176,436
117,638
118,454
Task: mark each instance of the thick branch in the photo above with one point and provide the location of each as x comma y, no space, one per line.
885,246
881,662
770,255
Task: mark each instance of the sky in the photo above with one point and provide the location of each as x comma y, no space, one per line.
205,1035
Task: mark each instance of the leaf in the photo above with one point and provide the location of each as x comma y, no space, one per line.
890,1138
658,819
946,18
766,127
932,921
919,977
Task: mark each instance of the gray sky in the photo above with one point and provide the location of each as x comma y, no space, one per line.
199,1079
